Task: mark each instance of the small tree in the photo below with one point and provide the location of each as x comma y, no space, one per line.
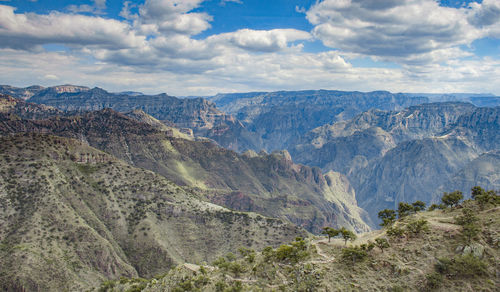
347,235
387,216
404,209
418,206
382,243
452,199
353,254
468,220
330,232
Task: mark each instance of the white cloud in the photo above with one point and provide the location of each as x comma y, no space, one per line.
262,40
173,16
29,31
401,31
97,8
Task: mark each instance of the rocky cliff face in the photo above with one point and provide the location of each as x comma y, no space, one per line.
393,156
73,216
281,118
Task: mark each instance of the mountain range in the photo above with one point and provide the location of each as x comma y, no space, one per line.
140,175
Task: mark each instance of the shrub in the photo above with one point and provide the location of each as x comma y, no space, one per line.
404,209
353,254
381,243
416,227
387,216
395,232
330,232
347,235
462,266
418,206
452,199
434,280
292,253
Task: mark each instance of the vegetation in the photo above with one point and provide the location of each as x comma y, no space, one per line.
330,232
387,216
452,199
347,235
382,243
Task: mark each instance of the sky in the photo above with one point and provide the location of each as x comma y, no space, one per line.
200,48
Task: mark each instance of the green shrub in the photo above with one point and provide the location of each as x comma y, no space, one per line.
387,216
395,232
381,243
353,254
404,209
416,227
462,266
452,199
434,280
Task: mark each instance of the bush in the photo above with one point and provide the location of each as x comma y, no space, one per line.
462,266
292,253
418,206
434,280
404,209
353,254
395,232
387,216
452,199
381,243
416,227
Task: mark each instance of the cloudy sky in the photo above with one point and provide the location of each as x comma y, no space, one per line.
196,47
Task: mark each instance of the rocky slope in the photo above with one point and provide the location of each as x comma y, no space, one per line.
72,216
435,257
269,184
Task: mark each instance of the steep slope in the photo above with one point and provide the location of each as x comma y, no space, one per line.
371,134
281,118
483,171
409,172
435,257
72,216
269,184
403,155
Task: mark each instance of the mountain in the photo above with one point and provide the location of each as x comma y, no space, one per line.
21,93
197,114
349,145
281,118
394,156
270,184
480,100
437,256
73,216
18,108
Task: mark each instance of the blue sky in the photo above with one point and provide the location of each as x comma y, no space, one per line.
196,47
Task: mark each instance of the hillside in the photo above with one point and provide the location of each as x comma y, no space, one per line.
270,184
72,216
431,254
